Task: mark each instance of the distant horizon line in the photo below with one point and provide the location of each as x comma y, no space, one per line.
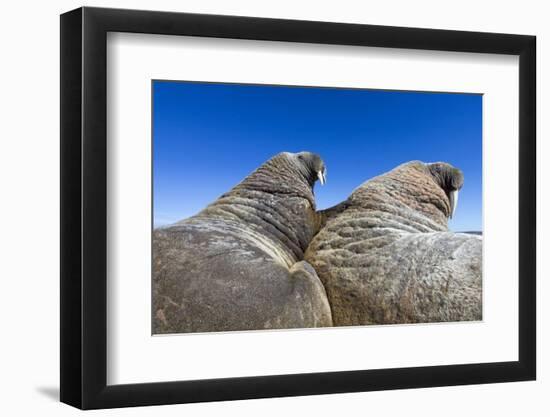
156,225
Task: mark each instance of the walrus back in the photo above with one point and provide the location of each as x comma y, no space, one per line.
399,277
386,256
236,265
211,276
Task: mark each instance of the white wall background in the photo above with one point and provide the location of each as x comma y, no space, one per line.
29,238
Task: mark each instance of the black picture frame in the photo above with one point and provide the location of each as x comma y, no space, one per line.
84,207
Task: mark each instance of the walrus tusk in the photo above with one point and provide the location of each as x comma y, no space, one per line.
321,177
453,199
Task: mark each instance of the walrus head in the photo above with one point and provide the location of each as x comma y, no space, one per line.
285,174
312,167
450,179
408,191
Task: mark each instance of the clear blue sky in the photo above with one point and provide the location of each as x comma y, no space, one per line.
208,137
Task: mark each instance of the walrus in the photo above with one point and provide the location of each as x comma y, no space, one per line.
386,255
238,264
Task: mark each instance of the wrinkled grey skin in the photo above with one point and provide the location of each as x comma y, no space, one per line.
386,255
238,264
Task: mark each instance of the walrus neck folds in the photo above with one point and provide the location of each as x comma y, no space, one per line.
408,186
275,201
423,193
282,175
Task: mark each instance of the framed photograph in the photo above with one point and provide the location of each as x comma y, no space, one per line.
256,208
